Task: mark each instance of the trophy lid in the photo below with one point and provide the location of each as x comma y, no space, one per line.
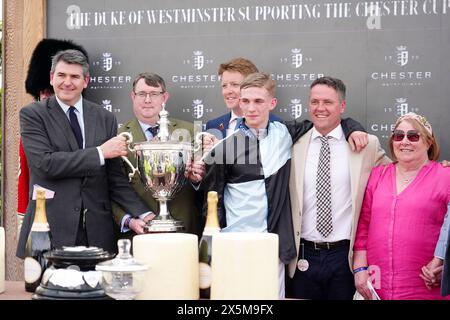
84,257
124,261
78,251
164,123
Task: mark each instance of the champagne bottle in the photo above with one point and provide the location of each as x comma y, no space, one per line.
39,242
211,227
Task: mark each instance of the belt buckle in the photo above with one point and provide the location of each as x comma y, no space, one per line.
317,245
323,244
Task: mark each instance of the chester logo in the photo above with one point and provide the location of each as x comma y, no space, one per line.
296,58
198,108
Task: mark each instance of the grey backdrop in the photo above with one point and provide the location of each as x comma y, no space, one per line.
393,57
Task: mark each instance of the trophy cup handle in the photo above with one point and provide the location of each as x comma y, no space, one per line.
129,138
198,142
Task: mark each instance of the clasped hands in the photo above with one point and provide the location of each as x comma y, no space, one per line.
432,273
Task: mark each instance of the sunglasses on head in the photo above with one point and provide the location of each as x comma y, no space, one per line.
412,135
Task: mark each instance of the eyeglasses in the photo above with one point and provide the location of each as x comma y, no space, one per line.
151,95
399,135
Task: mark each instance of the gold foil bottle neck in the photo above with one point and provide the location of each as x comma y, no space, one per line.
212,220
40,215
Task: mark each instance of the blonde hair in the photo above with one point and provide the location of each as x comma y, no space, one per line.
260,80
241,65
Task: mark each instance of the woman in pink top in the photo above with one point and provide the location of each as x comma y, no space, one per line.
402,213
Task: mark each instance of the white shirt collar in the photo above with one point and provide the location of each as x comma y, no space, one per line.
233,117
337,133
78,105
145,126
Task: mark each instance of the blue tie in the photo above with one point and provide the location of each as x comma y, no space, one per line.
75,127
154,130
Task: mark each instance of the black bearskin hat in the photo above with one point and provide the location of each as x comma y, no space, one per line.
38,76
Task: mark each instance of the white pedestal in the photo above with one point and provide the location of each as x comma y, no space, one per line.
244,266
172,259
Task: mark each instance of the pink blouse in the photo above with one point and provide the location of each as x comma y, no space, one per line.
400,231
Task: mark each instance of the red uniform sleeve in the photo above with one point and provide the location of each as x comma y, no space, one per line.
23,182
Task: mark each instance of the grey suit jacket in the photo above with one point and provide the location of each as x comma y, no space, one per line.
445,285
443,250
76,176
360,166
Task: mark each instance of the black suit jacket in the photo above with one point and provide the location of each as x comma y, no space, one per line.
76,176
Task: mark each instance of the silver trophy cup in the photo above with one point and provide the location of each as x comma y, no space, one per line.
162,167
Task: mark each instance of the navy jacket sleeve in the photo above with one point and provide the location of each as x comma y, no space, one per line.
299,128
349,126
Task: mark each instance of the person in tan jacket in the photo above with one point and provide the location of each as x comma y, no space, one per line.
322,267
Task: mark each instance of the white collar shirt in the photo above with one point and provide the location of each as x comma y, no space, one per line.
78,112
341,198
232,123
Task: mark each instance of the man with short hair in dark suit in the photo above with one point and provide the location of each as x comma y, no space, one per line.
232,73
72,149
38,85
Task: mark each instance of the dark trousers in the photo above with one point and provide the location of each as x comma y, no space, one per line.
328,276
